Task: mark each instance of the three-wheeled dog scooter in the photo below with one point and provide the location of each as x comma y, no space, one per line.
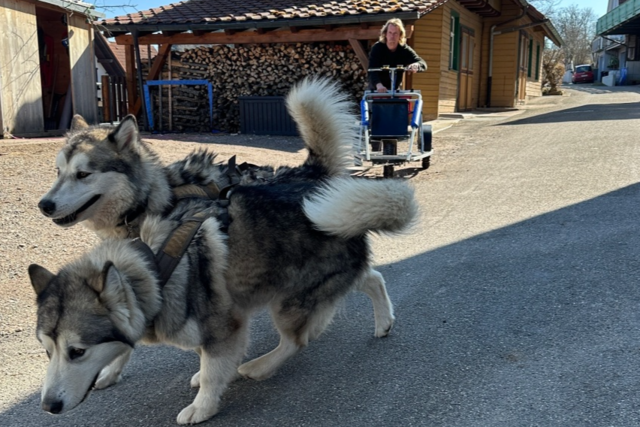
391,128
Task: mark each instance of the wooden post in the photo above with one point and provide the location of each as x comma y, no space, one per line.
106,99
170,102
156,69
136,47
360,53
132,92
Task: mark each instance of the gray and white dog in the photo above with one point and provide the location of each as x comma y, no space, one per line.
296,244
110,188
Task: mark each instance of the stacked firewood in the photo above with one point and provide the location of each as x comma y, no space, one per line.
246,70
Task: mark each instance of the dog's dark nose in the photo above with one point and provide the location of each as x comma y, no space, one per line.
47,207
54,407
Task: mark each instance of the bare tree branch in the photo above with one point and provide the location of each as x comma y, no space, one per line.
125,7
546,7
577,27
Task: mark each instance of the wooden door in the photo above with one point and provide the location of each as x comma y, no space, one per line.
521,89
465,86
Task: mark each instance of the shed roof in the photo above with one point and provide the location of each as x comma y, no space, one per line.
222,14
113,58
545,23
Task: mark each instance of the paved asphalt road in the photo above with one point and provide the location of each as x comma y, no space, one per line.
517,297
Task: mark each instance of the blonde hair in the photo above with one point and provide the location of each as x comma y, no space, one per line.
398,23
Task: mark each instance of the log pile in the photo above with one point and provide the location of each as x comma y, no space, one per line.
246,70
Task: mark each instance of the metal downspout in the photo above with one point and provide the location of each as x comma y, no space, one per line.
491,35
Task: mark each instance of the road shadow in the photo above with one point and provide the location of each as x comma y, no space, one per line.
535,323
587,113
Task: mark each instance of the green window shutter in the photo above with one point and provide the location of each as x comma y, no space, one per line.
454,41
530,65
538,62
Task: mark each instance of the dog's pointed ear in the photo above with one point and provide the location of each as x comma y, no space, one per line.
125,135
78,122
110,278
40,278
118,297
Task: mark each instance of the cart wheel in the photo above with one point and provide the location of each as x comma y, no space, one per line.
427,138
426,162
388,171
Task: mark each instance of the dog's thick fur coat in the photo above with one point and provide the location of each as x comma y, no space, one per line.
110,180
296,244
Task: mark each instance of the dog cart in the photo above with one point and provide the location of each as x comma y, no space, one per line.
391,128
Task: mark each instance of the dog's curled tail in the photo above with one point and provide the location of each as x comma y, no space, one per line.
349,207
326,122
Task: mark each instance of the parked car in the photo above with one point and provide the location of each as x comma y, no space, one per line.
582,74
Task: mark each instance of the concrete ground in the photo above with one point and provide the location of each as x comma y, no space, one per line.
516,296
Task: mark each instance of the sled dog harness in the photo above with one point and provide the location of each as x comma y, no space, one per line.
174,247
210,191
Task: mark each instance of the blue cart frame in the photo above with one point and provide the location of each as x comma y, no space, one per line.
385,120
147,96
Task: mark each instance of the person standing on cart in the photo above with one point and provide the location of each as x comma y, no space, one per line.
392,50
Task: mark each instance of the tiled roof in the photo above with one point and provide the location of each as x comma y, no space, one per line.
235,11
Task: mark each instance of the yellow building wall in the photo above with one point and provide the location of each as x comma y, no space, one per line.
474,22
505,65
505,58
439,85
534,86
427,42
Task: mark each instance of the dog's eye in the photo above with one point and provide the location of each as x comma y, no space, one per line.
74,353
48,354
82,175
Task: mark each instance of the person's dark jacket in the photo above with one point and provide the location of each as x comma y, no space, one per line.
380,55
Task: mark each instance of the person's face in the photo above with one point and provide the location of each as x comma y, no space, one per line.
393,37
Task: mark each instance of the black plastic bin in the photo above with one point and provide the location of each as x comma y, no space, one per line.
265,115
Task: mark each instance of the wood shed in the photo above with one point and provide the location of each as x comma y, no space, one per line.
480,53
47,70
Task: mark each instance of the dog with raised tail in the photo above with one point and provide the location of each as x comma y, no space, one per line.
297,249
296,243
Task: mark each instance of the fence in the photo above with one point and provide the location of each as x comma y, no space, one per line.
114,99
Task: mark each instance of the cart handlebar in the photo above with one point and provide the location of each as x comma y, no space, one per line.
392,71
388,68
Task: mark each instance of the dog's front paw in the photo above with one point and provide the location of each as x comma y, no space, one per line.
194,414
195,380
108,377
383,326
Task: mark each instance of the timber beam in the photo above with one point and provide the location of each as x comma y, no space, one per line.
154,72
253,37
356,45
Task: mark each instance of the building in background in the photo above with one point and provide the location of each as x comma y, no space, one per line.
616,50
47,67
